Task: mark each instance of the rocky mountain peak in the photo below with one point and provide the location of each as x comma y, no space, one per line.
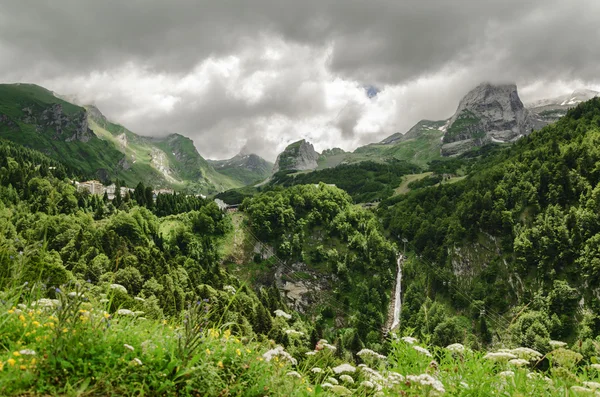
300,155
487,113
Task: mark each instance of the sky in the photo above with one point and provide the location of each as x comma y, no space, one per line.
256,75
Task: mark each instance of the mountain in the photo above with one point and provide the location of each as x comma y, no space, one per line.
298,156
84,139
550,110
243,168
488,113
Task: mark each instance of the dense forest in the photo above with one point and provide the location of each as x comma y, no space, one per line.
517,240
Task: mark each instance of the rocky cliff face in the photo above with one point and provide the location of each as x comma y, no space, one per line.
488,113
550,110
63,126
298,156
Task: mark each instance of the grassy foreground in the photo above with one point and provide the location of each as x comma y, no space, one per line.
75,345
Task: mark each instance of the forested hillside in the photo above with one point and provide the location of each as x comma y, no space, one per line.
513,246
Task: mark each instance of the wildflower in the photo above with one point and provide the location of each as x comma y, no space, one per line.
592,385
230,289
22,367
125,312
506,374
595,366
129,347
1,366
394,378
220,364
248,351
33,361
341,390
367,384
332,380
27,352
370,353
583,390
281,313
410,340
422,350
371,373
308,389
347,379
294,374
293,332
499,356
35,323
310,353
11,361
427,380
524,353
22,318
136,361
344,368
139,299
118,287
326,385
518,362
316,370
238,352
323,344
226,334
456,348
555,344
11,311
75,295
279,352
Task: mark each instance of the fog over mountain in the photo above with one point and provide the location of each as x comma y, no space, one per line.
259,75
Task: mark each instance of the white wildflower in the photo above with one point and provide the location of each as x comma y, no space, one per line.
294,374
44,302
104,300
230,289
341,390
136,361
595,366
27,352
370,353
281,313
139,299
518,362
464,385
293,332
422,350
580,389
344,368
22,306
592,385
326,385
394,378
125,312
427,380
506,374
332,380
75,294
322,344
367,384
316,370
525,353
347,379
371,373
410,340
118,287
138,313
456,348
126,346
279,352
499,356
555,344
311,353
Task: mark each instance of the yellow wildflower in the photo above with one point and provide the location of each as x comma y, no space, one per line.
65,330
35,323
227,334
11,311
220,364
33,361
22,367
248,351
259,358
16,354
238,352
1,366
308,389
22,317
11,361
106,315
208,351
164,322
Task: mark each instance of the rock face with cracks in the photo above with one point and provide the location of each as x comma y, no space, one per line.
297,156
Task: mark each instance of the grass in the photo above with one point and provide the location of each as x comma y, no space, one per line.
79,345
403,188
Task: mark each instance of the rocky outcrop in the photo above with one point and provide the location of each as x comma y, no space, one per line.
297,156
63,126
488,113
550,110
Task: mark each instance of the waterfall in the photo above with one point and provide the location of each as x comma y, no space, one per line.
397,297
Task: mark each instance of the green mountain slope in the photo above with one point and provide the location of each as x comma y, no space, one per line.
519,238
33,117
85,140
245,169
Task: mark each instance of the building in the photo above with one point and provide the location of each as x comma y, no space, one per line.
94,187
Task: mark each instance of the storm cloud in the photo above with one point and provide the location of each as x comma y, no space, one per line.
256,75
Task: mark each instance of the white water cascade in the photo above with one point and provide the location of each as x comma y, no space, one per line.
398,295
